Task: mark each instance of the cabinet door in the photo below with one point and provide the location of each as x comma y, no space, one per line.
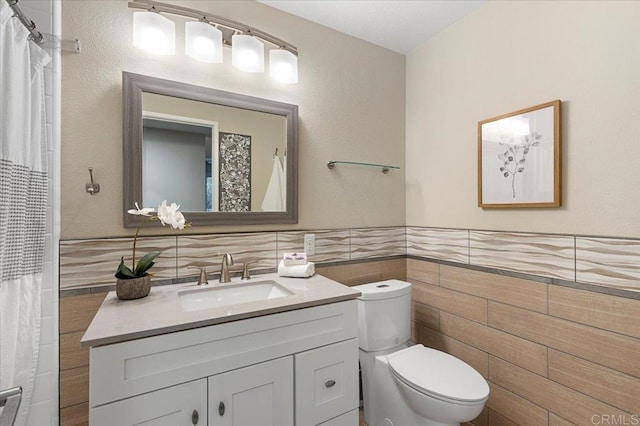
326,382
181,405
261,394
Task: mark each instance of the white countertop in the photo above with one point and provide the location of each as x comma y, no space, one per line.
161,312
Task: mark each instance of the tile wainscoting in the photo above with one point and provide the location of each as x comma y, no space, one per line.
552,321
552,354
92,263
601,264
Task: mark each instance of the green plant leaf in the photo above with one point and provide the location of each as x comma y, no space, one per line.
145,263
124,272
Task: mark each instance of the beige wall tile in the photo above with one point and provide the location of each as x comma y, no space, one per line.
393,269
354,274
75,415
556,420
74,386
608,261
513,291
546,393
207,250
76,312
71,354
462,304
537,254
444,244
482,419
472,356
331,245
497,419
369,243
88,263
613,313
426,315
605,384
426,272
366,272
602,347
516,408
524,353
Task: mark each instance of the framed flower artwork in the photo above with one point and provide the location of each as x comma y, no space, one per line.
519,158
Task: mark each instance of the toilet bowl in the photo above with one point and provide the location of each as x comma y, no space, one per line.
404,384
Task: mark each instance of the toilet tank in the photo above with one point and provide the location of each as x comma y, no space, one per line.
384,314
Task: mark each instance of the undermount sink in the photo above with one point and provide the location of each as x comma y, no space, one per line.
233,294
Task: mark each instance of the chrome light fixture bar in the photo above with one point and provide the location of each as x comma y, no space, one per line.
246,41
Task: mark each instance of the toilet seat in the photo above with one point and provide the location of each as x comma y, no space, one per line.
438,375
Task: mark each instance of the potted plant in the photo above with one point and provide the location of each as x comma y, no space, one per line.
135,282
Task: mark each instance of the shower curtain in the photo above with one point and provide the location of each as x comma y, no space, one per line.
23,204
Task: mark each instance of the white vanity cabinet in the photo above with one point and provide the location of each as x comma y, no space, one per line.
291,368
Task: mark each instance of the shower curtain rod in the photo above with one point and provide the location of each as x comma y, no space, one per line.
37,36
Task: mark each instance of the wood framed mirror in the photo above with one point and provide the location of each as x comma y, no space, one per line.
226,158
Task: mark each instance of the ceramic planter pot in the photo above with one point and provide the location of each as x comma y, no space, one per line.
135,288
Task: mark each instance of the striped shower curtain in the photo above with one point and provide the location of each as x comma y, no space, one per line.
23,204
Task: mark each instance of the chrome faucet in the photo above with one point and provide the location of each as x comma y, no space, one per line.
227,260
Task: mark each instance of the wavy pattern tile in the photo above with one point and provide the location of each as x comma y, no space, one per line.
608,261
90,263
444,244
207,250
537,254
331,245
378,242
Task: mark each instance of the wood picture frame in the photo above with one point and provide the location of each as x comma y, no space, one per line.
520,158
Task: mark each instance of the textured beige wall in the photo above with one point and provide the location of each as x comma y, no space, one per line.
515,54
351,105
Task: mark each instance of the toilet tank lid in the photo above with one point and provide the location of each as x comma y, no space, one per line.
383,289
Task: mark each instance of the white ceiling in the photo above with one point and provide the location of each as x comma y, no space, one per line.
398,25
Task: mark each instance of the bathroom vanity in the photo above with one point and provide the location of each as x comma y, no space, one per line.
227,355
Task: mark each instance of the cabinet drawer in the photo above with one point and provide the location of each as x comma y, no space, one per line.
347,419
181,405
326,382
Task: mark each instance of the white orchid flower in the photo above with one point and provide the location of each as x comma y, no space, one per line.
141,212
170,215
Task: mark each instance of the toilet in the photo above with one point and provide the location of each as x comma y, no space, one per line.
405,384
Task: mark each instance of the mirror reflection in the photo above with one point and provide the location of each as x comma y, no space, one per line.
230,159
226,158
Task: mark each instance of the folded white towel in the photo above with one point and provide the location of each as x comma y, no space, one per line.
291,259
296,271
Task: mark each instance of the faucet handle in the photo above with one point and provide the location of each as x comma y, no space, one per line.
203,274
245,268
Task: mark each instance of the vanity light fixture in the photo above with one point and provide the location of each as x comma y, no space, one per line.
205,37
154,33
